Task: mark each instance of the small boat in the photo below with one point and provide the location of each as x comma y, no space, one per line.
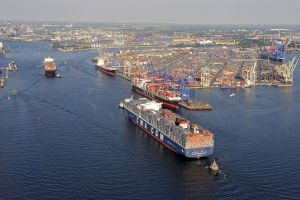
14,92
58,76
232,94
2,82
12,66
121,105
214,168
6,75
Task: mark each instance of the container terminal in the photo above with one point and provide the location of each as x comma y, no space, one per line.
167,75
176,58
210,67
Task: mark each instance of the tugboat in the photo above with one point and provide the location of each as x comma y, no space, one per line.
49,67
214,168
121,105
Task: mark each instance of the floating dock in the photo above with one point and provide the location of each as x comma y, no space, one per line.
195,105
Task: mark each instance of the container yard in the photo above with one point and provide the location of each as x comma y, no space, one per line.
212,67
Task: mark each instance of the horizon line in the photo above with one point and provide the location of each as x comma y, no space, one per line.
145,23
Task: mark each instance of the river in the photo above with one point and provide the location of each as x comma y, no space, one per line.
67,139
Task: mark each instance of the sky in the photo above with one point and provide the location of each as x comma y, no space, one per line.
155,11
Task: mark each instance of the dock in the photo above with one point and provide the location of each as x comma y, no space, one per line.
123,76
195,105
284,85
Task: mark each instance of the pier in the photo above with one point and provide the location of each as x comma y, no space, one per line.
195,105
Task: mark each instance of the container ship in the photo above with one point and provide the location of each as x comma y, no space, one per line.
157,91
170,129
105,66
49,67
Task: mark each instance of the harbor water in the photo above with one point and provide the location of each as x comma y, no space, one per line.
67,139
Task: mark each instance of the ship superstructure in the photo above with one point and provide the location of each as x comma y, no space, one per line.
170,129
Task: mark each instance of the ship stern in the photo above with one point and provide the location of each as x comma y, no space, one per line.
199,152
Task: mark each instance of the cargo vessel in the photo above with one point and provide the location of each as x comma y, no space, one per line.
49,67
2,49
173,131
157,91
105,66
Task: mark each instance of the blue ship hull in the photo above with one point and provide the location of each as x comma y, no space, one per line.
166,141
